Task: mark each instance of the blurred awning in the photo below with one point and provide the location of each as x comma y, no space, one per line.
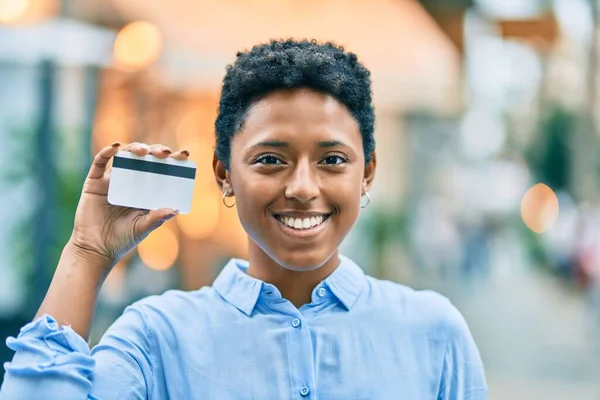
63,41
413,62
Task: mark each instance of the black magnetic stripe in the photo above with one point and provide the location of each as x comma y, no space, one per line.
154,167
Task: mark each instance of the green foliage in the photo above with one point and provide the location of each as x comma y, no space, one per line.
67,183
383,227
549,154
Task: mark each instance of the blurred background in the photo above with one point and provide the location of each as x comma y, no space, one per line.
488,139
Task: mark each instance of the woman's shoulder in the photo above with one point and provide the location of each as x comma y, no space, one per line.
424,307
177,304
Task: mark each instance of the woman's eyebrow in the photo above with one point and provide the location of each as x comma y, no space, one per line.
330,143
282,144
271,143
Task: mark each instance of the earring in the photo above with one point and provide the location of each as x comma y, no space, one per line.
225,194
368,201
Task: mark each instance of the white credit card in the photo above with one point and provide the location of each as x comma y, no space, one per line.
150,183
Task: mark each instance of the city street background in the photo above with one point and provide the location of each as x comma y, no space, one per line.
488,139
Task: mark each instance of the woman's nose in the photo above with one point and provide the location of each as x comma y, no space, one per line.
302,184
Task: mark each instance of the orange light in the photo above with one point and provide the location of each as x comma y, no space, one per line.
108,130
138,45
12,10
160,249
188,127
201,153
539,208
197,122
230,232
204,217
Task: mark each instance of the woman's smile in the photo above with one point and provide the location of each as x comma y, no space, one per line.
302,225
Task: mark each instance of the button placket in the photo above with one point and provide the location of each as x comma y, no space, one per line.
300,350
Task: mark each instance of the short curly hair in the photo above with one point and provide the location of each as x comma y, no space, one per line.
290,64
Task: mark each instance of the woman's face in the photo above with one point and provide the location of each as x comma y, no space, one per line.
297,171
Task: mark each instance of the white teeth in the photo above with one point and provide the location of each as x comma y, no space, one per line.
301,223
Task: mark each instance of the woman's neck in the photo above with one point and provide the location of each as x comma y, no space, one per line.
295,286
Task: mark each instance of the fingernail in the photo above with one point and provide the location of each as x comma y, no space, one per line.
187,153
166,150
116,144
171,215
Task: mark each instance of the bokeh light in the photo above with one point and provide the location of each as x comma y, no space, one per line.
12,10
138,45
160,249
108,130
539,208
230,233
201,153
204,217
197,121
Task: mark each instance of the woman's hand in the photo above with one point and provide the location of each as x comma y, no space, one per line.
105,233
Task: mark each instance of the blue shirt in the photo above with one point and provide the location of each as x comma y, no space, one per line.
359,338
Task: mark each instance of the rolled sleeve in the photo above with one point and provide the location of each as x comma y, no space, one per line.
48,359
53,362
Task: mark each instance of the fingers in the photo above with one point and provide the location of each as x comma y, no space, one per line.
182,155
139,149
160,151
101,160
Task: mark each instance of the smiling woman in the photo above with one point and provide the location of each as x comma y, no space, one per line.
297,319
299,154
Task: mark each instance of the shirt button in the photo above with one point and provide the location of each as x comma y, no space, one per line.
321,292
304,391
295,322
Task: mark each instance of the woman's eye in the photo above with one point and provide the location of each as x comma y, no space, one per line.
334,160
272,160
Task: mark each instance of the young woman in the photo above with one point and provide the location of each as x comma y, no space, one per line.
297,320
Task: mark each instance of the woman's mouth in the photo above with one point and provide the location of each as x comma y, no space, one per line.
302,223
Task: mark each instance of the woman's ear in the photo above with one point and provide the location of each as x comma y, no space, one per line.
221,174
369,173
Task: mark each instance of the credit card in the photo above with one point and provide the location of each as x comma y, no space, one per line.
150,183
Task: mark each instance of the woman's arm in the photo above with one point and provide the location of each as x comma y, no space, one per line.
73,293
54,362
52,358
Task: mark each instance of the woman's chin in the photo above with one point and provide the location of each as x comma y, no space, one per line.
302,261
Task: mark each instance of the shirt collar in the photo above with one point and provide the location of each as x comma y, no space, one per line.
243,291
346,282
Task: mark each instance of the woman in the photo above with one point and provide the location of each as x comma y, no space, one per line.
297,320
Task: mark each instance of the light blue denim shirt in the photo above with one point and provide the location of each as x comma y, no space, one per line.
359,338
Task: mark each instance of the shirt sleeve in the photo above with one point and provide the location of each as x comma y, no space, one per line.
53,362
463,376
